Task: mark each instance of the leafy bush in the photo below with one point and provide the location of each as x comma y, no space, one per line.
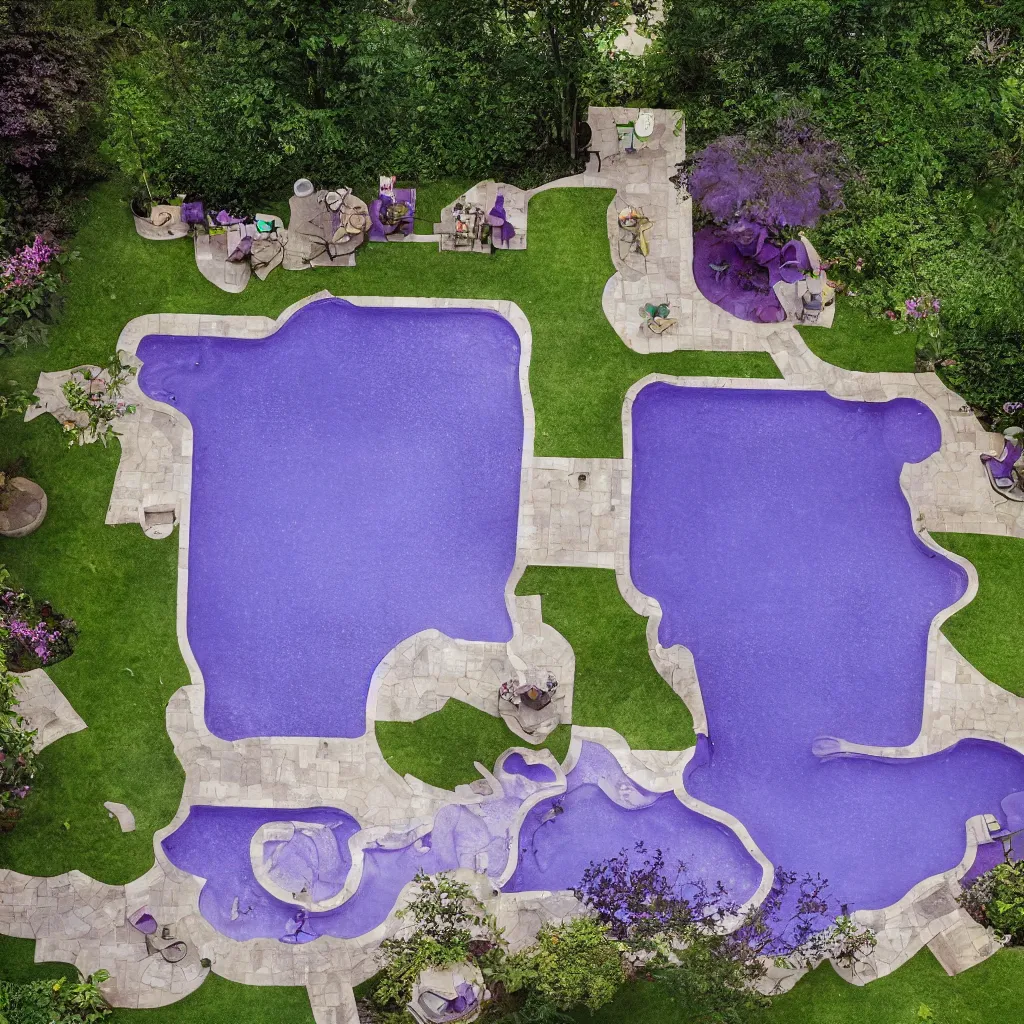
576,964
55,1002
449,925
996,899
49,87
234,104
985,364
97,398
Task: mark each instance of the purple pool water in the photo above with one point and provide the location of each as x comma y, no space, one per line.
355,481
518,765
555,849
771,527
214,844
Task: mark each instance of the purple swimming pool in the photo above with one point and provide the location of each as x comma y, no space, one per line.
600,813
771,527
355,479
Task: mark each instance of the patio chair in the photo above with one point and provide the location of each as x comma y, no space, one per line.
656,318
1002,476
170,949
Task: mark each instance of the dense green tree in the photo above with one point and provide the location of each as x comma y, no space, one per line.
49,70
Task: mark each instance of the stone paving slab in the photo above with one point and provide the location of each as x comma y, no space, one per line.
45,709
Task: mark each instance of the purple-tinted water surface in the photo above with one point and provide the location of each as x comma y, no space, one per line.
586,826
355,480
518,765
214,842
771,527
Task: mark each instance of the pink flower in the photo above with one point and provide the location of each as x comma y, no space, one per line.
890,314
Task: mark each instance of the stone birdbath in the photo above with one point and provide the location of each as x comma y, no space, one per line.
22,506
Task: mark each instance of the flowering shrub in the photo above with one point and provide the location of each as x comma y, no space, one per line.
17,753
700,942
28,278
996,898
32,636
914,312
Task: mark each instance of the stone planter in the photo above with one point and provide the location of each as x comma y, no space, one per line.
26,508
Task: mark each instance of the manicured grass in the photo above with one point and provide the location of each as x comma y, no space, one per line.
617,685
218,1001
16,963
988,631
440,749
858,341
989,993
120,586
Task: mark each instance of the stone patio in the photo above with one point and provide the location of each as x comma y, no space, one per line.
572,512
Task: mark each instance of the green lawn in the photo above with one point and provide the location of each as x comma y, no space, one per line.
218,1001
988,631
16,963
991,993
858,341
617,685
440,749
120,587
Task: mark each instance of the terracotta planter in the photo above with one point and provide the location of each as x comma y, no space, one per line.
26,508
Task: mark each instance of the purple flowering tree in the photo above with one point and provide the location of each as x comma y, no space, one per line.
706,947
787,177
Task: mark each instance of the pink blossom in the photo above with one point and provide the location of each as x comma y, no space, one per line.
26,265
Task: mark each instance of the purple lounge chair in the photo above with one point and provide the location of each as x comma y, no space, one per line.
1001,474
794,262
171,950
143,921
379,226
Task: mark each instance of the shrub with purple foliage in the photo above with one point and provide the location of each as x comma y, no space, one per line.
789,176
710,950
